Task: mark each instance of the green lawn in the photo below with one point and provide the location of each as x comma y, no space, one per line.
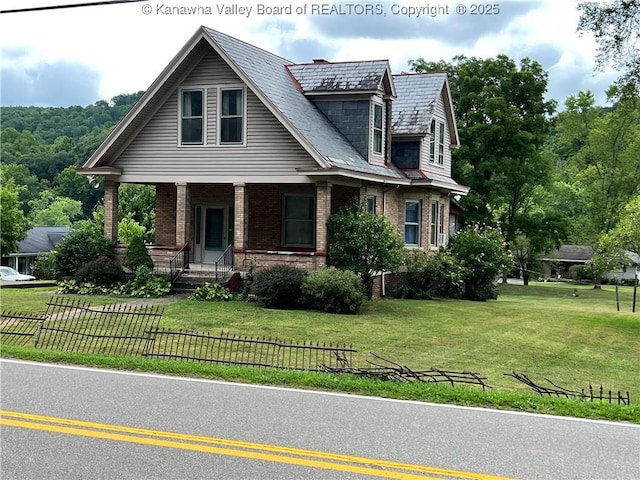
539,330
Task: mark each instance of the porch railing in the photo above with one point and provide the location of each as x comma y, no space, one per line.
224,264
179,262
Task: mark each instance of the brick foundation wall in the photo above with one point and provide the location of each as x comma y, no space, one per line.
259,260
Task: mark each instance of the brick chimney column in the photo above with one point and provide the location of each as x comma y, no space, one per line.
111,210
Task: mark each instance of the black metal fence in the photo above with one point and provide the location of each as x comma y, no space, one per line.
227,349
590,394
73,325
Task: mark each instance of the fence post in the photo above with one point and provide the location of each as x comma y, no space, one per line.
36,336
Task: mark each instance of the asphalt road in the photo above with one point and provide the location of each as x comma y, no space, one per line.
62,422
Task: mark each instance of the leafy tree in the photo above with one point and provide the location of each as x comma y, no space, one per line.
482,253
21,175
615,24
49,209
603,168
129,229
69,184
364,243
14,223
503,121
78,247
137,202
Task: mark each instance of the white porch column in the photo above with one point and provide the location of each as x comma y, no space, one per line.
323,210
240,217
111,210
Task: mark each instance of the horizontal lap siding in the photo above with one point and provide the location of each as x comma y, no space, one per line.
270,151
440,116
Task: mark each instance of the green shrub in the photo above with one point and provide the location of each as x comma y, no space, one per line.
102,271
211,292
67,286
482,253
145,285
333,291
44,267
431,275
136,255
79,247
279,286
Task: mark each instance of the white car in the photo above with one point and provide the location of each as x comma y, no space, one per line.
8,274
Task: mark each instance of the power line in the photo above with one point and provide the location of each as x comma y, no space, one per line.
71,5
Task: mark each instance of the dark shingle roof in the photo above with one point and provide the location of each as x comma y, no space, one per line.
340,77
417,97
41,239
268,73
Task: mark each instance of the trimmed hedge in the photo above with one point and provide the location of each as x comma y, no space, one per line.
333,291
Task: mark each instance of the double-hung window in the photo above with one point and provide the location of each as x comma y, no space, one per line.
377,128
232,116
432,142
192,117
441,144
370,204
412,222
438,237
299,221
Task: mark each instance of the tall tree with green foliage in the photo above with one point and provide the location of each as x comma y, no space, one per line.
601,152
615,25
365,243
14,223
49,209
503,121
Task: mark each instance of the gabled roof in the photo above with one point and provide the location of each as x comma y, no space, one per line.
418,95
268,78
343,77
571,253
41,240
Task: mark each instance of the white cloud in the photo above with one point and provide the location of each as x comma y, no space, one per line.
129,49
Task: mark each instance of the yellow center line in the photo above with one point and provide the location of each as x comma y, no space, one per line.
264,452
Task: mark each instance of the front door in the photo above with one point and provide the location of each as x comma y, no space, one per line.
211,235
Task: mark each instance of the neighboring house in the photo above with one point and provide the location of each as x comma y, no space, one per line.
39,240
558,262
250,153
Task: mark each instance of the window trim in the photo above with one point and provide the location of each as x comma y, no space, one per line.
441,132
219,116
375,129
432,142
312,221
433,222
183,90
416,224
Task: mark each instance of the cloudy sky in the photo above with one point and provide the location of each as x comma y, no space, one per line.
78,56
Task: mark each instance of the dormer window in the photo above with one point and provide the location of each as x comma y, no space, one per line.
192,117
377,129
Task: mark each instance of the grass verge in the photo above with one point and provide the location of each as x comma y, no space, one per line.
540,330
423,392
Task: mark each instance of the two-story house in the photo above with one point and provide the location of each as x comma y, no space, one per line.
250,153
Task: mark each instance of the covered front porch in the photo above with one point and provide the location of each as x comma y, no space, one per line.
209,227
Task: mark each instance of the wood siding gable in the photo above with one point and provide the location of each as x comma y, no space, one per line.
270,153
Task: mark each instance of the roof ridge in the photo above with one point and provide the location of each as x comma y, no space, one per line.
255,47
341,62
